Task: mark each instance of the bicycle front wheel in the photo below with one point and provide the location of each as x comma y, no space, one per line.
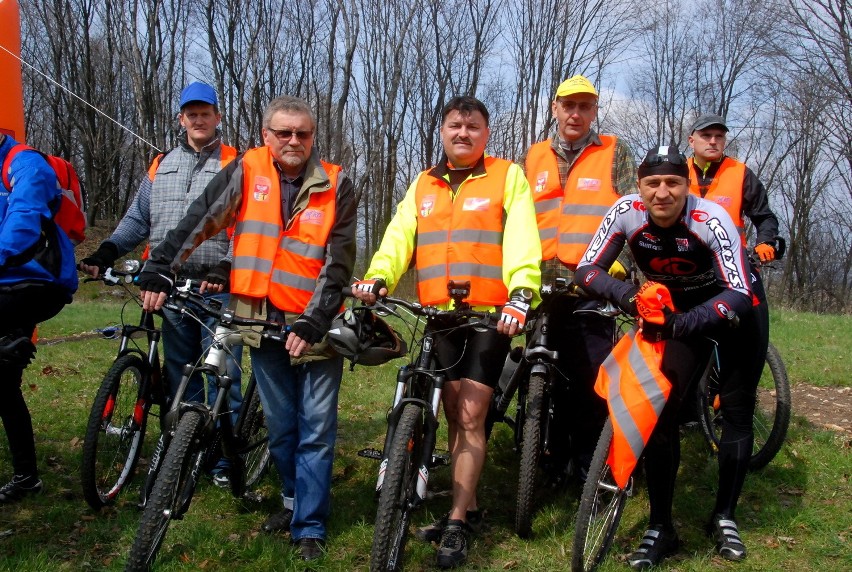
172,491
601,507
771,413
251,428
530,454
398,491
115,432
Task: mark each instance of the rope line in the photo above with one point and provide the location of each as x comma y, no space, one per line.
59,85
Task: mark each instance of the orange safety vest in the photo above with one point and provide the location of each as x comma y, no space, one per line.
726,189
461,238
636,392
569,217
270,260
227,155
633,385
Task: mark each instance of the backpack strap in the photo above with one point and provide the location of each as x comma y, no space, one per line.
7,163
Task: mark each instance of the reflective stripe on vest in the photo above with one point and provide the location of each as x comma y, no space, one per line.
461,238
568,217
636,392
283,264
726,189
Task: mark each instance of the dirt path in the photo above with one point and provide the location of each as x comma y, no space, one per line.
825,407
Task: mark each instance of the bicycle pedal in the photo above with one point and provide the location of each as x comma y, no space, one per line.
370,453
439,460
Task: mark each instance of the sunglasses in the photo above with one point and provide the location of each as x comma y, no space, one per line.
287,134
657,159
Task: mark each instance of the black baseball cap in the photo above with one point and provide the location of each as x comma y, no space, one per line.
706,121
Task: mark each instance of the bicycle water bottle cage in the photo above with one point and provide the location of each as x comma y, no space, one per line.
16,351
459,291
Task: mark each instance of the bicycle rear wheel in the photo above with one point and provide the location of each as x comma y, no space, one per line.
601,507
251,428
172,491
398,490
530,454
115,432
771,413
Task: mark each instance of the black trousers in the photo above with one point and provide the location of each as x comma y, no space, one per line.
742,353
21,309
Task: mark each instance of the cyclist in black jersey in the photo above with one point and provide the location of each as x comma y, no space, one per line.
692,246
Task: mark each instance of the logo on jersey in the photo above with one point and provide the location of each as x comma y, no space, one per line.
650,237
427,205
586,184
699,216
722,309
618,208
589,277
540,182
261,188
673,266
312,216
682,244
476,204
639,206
726,253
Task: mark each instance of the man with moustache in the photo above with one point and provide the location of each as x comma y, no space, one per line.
294,251
468,218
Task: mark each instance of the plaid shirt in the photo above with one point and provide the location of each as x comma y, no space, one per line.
623,182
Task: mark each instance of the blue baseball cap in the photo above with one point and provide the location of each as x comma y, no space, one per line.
198,91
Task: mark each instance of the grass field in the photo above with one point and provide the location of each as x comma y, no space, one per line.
794,514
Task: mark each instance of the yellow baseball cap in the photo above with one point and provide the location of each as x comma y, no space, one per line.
574,85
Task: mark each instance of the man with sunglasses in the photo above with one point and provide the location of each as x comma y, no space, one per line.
724,180
575,177
692,247
294,252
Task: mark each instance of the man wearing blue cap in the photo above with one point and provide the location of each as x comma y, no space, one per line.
173,181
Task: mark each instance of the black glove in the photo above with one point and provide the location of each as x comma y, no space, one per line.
627,302
104,257
658,332
219,274
154,280
307,331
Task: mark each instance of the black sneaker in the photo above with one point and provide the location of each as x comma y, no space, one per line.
19,487
454,540
656,545
432,532
728,542
278,522
310,548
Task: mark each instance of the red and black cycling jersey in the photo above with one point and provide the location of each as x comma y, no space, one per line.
700,259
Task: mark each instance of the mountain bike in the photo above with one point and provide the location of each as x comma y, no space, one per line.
409,447
532,372
192,431
602,500
771,412
119,414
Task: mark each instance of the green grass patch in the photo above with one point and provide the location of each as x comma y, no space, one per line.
794,514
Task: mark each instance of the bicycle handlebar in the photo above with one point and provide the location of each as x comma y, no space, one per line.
181,295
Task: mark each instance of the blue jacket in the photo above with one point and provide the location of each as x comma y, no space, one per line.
32,247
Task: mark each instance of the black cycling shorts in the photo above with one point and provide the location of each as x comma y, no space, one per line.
468,353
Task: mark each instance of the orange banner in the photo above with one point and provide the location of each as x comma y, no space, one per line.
12,93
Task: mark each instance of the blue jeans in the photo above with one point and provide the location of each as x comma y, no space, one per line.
300,405
185,341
